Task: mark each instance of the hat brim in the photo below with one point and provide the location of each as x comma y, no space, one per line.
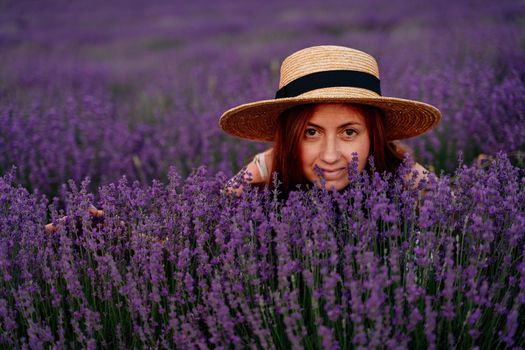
257,121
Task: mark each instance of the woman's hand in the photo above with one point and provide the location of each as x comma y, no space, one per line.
97,216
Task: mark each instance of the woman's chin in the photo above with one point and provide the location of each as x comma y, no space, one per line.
333,184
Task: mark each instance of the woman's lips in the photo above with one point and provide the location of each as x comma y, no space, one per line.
333,174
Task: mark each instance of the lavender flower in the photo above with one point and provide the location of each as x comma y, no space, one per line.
379,264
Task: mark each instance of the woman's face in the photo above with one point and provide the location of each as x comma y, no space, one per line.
332,134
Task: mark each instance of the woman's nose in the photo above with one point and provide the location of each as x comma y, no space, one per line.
330,151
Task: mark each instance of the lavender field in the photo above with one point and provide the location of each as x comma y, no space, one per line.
117,104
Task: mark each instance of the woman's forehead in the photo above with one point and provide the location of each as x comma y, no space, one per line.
338,113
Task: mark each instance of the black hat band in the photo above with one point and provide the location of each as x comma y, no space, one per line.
332,78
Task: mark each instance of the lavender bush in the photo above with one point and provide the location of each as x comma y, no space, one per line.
186,265
104,89
133,91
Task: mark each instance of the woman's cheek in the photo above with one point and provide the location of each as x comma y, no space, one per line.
363,152
308,153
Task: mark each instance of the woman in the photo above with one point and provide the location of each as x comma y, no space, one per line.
328,106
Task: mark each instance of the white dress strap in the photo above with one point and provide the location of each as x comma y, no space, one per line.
261,165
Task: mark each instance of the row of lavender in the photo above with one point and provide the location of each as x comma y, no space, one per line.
107,90
186,265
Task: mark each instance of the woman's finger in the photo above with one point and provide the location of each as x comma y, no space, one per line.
50,228
95,212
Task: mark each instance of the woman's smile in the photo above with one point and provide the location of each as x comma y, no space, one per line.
333,174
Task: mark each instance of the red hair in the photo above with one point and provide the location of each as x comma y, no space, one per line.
292,123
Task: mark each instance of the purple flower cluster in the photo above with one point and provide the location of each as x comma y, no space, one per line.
105,90
187,265
134,91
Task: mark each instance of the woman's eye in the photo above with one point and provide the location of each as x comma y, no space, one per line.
350,132
310,132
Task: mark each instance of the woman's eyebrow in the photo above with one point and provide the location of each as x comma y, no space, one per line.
339,127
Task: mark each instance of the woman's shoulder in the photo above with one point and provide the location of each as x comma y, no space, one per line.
256,172
420,173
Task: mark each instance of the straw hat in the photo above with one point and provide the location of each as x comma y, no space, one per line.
329,74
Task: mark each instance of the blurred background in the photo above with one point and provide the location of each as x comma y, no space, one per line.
106,89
